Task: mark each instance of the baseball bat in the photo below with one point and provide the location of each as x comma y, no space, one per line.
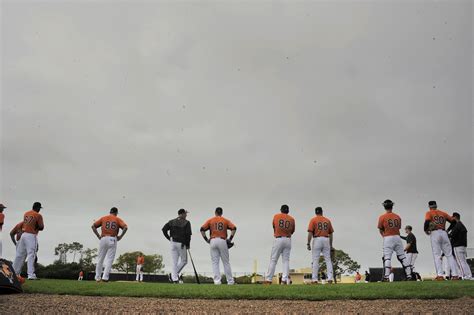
194,267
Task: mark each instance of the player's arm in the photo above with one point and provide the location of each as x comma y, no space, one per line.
165,231
232,228
40,223
330,240
204,228
426,227
380,226
310,237
124,230
13,235
94,229
188,235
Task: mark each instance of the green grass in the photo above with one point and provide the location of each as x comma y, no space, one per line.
369,291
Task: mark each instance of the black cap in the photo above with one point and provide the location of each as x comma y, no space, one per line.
432,204
37,205
219,211
285,209
318,210
114,210
408,227
388,203
457,215
182,211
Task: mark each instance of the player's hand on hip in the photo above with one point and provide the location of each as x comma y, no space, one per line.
308,246
119,238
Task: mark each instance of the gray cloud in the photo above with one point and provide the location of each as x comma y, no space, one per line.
155,106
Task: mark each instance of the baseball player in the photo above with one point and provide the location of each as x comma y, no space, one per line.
458,235
2,220
320,230
435,225
180,239
28,243
110,226
15,233
283,229
140,263
410,248
81,276
218,226
389,225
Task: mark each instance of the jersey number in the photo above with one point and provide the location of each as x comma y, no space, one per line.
393,223
323,226
219,226
284,224
439,220
29,219
110,225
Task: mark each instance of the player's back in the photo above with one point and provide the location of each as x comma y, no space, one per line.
283,225
438,217
390,223
218,226
110,225
32,222
320,226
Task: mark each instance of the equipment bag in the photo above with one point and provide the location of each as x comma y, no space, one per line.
8,280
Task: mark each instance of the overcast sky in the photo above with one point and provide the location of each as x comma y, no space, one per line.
155,106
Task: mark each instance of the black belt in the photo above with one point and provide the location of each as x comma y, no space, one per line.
218,237
314,236
282,236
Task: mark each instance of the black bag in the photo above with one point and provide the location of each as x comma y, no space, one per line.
8,280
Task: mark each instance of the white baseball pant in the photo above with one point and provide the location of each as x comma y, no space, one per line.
219,251
393,243
411,258
106,256
179,258
321,245
440,245
281,246
139,273
1,246
460,255
26,248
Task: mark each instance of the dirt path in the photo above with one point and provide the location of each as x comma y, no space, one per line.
39,303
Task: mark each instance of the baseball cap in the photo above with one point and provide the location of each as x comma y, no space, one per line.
2,206
37,205
114,210
388,202
182,211
432,204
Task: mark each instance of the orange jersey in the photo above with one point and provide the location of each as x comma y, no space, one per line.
320,226
439,218
283,225
2,220
81,274
17,230
32,222
390,224
218,227
140,260
110,225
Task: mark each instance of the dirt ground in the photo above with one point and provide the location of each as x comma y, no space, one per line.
39,303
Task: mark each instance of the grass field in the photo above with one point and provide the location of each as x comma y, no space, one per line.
369,291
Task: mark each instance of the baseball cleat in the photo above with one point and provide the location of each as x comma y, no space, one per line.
314,282
455,278
385,280
330,282
439,278
267,282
